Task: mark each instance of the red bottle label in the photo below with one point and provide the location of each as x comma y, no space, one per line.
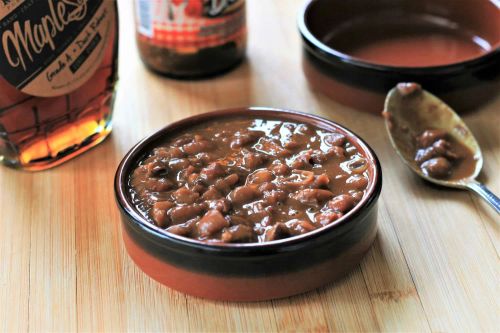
190,25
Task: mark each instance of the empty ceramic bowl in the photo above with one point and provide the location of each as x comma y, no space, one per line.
356,51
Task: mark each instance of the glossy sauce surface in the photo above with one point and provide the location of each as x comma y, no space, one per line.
415,42
244,180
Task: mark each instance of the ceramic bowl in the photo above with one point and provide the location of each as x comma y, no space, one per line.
255,271
356,51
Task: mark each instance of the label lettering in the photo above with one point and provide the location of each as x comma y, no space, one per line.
23,40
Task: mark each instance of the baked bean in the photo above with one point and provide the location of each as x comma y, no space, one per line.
212,222
211,194
225,185
261,217
357,181
321,180
162,152
291,144
301,160
452,155
241,180
312,196
298,227
440,155
183,229
198,188
156,169
232,179
192,179
304,129
197,147
428,137
238,233
334,139
280,169
274,197
443,148
222,205
243,138
342,203
182,140
178,164
318,157
180,214
252,160
266,187
277,231
235,220
327,217
358,196
438,167
335,151
260,176
189,170
424,154
261,214
298,178
176,152
203,158
271,147
166,153
185,196
357,166
437,149
158,184
159,213
242,195
141,173
212,172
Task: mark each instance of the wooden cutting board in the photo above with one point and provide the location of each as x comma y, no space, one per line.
434,265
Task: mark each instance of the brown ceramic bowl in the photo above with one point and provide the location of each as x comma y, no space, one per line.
254,271
355,51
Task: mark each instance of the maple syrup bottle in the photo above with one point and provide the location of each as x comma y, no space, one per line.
191,38
58,69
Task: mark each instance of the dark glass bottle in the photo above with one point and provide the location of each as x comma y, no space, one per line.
191,38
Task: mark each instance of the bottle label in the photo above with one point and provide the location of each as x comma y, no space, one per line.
51,47
190,25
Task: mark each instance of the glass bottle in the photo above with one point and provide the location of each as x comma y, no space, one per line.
191,38
58,69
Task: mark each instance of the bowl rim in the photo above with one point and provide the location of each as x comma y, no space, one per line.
137,151
315,44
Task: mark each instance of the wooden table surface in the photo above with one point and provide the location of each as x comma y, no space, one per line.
433,267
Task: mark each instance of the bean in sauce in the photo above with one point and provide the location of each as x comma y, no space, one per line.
249,180
440,155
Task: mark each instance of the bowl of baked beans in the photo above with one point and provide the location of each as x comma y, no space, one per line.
248,204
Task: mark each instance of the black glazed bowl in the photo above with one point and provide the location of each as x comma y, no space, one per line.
255,271
332,69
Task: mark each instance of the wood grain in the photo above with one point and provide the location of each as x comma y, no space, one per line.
434,265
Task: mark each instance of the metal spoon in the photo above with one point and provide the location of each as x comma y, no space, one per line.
409,110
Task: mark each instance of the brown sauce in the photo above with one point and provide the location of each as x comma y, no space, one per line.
412,42
245,180
441,156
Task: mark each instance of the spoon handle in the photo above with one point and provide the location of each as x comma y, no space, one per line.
486,194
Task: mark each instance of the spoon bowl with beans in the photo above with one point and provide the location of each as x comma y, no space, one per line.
434,141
